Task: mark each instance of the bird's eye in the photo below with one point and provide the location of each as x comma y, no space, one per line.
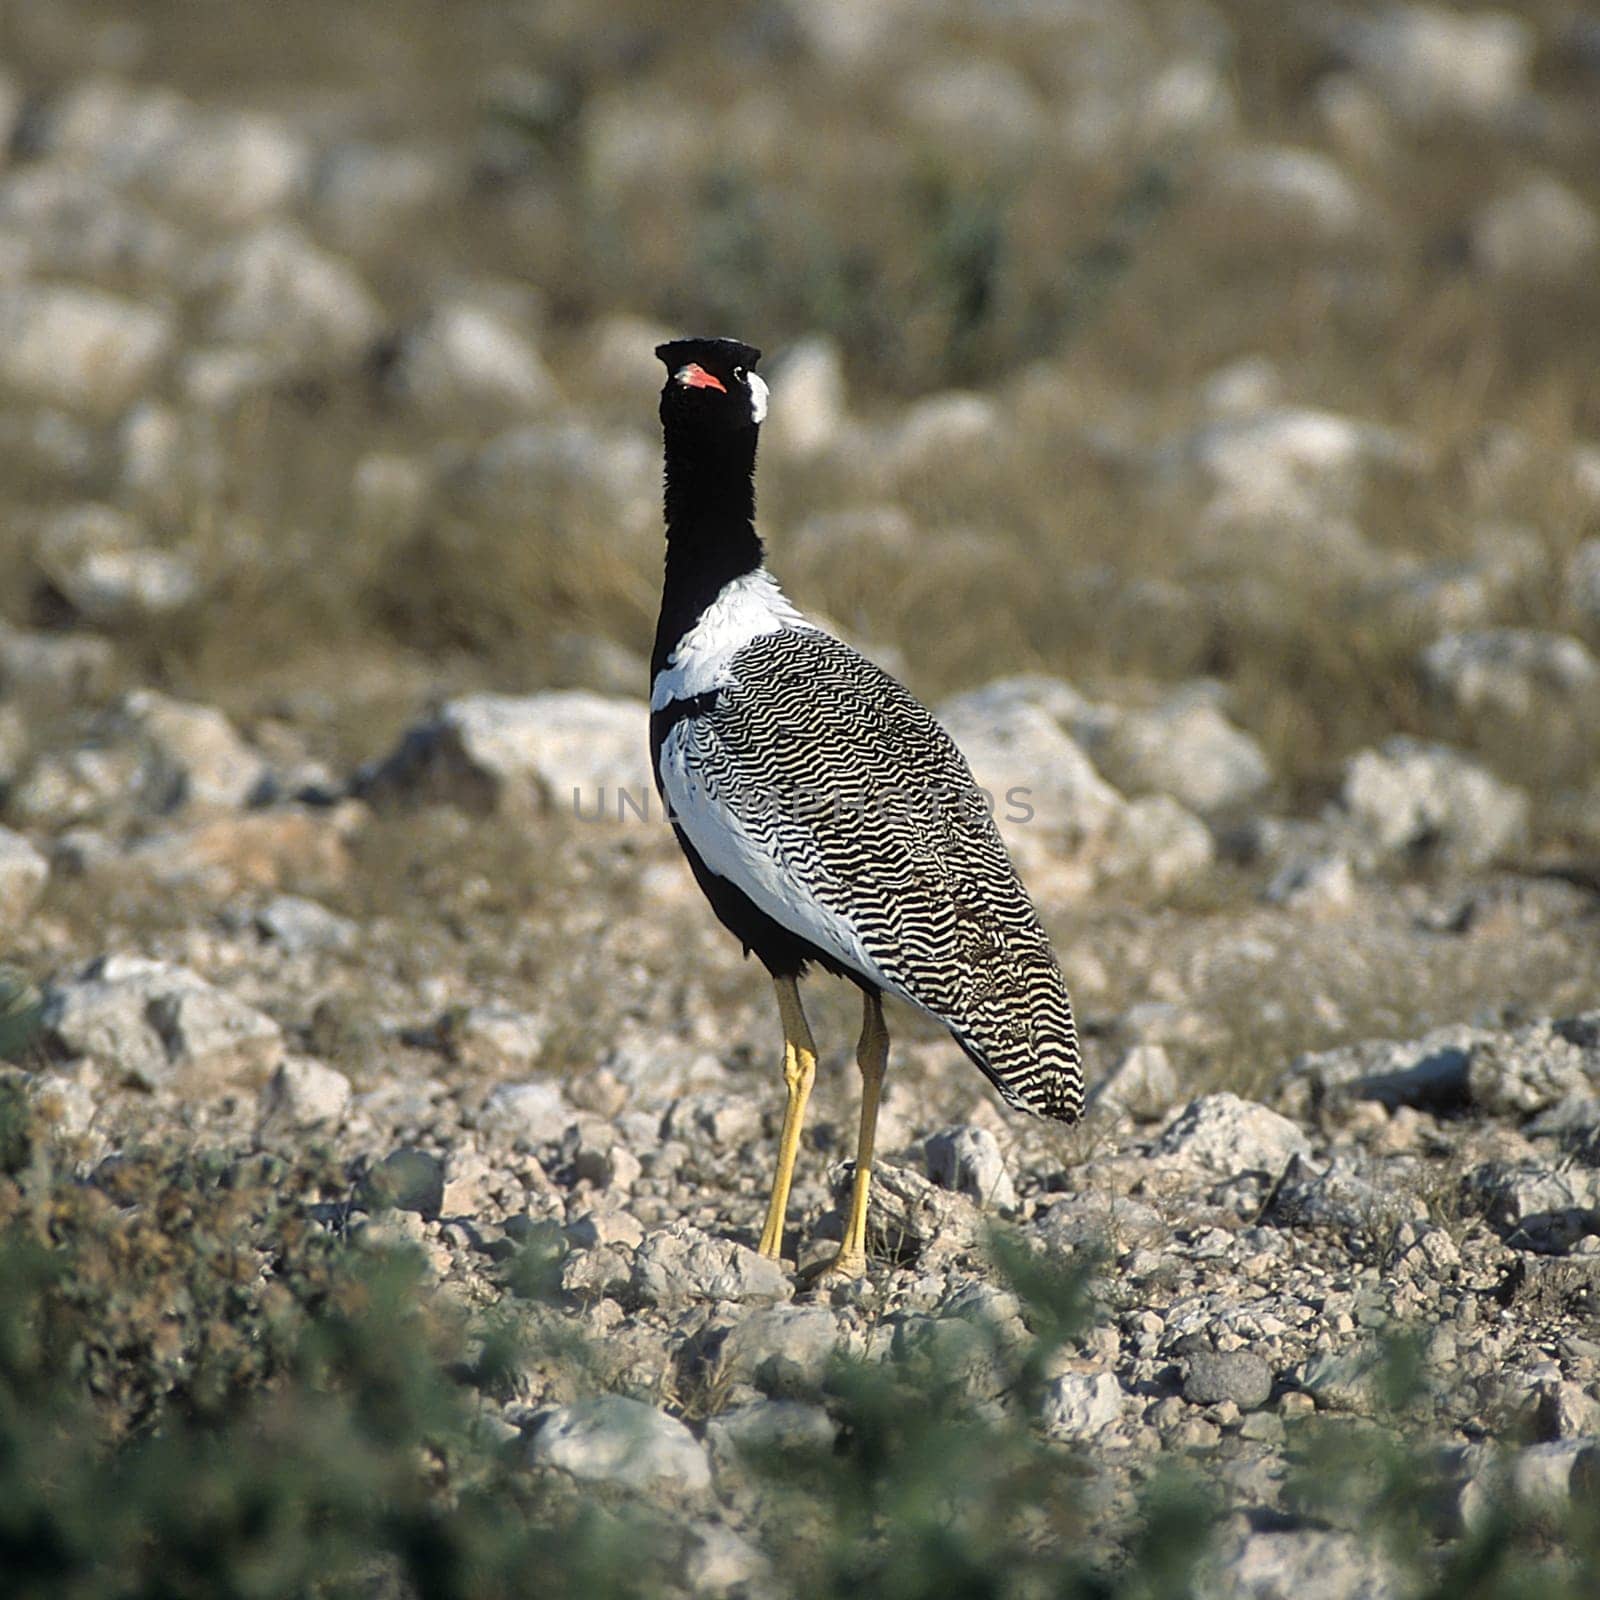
738,372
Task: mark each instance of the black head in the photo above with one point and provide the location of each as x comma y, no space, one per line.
711,386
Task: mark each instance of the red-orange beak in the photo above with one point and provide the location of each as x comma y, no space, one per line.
694,376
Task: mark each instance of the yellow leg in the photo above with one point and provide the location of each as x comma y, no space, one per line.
872,1056
799,1072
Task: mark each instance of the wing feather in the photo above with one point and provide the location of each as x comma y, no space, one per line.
832,798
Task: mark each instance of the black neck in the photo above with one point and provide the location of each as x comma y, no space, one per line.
711,531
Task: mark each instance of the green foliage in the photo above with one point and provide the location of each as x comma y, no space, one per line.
1493,1540
1058,1305
937,1489
16,1135
206,1391
20,1005
202,1393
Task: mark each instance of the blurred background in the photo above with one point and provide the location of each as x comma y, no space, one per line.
1133,343
1195,401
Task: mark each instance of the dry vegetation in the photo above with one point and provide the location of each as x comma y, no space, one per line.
1091,294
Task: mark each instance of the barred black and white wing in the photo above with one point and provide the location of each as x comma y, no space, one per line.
816,785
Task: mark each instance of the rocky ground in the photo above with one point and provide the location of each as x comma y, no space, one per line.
325,821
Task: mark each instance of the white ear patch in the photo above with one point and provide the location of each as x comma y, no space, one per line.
758,396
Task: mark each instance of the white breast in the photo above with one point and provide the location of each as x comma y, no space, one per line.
747,608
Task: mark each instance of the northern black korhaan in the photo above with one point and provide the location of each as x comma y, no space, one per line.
826,815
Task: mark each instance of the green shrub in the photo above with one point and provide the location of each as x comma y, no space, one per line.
207,1390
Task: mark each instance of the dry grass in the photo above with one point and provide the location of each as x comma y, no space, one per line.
800,204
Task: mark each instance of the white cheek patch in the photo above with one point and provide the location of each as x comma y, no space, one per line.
758,396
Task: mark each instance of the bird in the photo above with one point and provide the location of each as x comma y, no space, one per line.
825,814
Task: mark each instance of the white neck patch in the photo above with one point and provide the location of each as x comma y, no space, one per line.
746,608
758,396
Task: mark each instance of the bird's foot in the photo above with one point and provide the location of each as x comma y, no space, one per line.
844,1267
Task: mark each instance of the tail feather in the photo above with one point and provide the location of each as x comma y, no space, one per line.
1044,1076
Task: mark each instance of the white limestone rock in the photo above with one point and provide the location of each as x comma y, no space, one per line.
1287,456
1409,797
535,1112
1428,1072
273,289
304,1095
494,1037
1045,791
1531,1068
58,220
679,1265
969,1161
1539,232
79,348
59,668
1347,1195
159,1026
1291,193
621,360
225,168
1431,65
1540,1208
190,756
565,749
612,1439
1157,843
955,423
807,408
229,169
23,875
565,475
96,558
1143,1083
1513,672
1292,1564
1081,1405
364,196
1185,748
783,1350
298,925
465,358
910,1218
1581,582
64,787
1231,1136
974,102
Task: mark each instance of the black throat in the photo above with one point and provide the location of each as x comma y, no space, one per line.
711,530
